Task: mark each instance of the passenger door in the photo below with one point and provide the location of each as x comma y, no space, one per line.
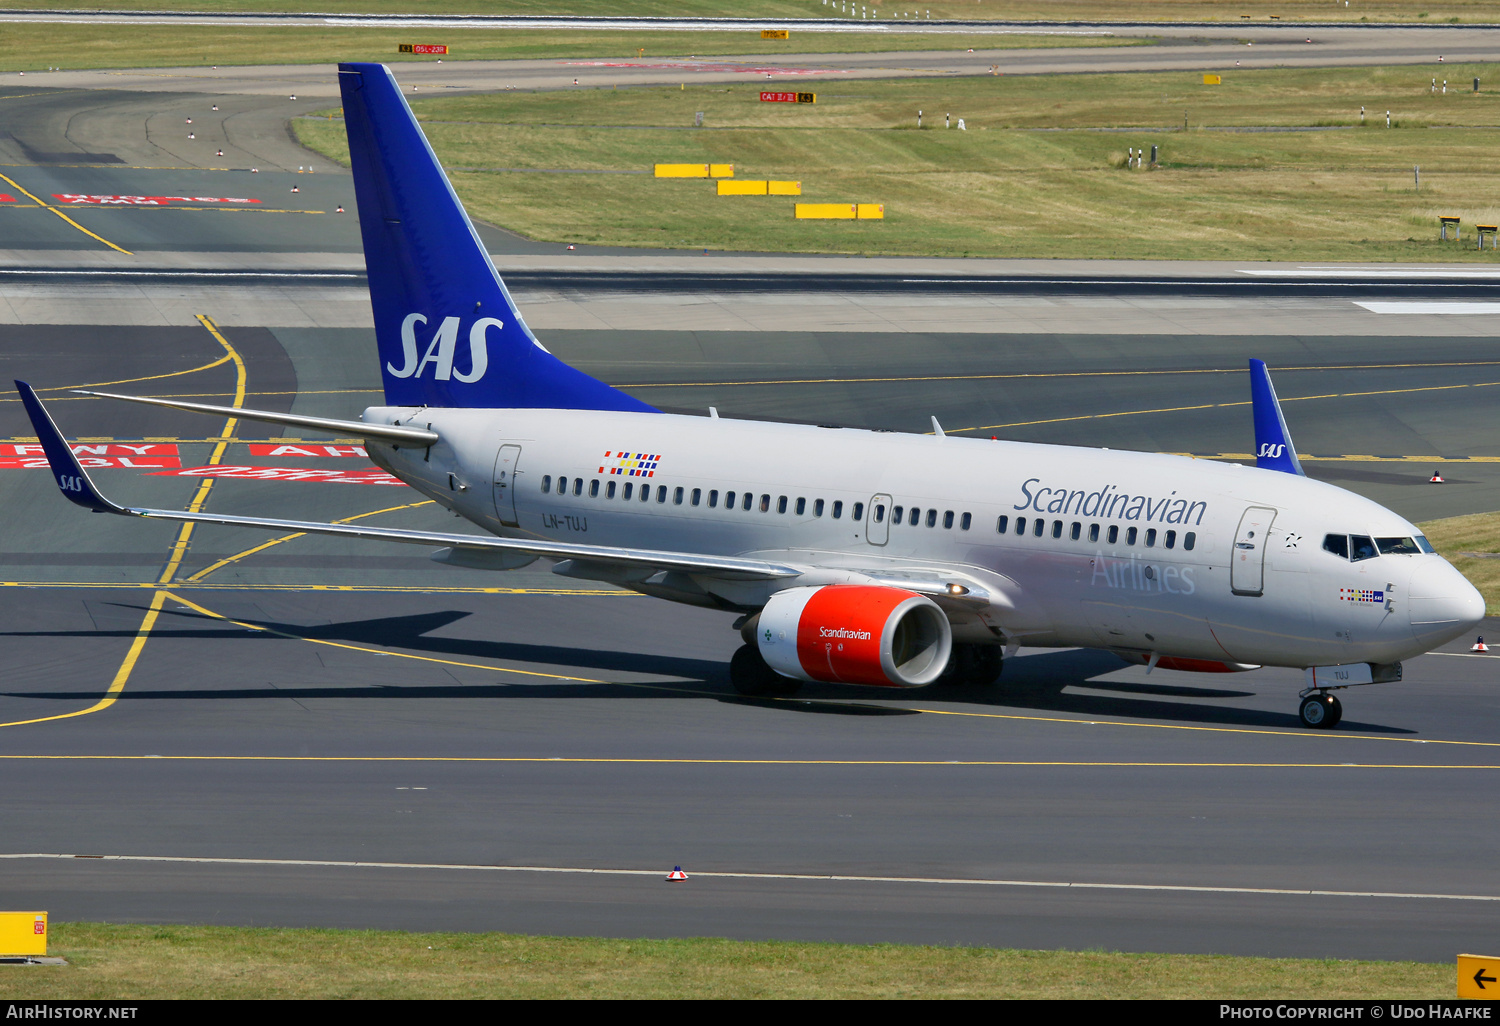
505,484
878,526
1247,563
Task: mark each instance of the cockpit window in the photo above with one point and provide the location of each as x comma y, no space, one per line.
1338,544
1424,544
1361,547
1397,546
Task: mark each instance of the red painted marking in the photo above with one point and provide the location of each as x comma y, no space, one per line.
748,69
93,455
267,449
79,199
370,477
6,197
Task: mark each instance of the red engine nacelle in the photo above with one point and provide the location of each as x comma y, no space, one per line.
855,634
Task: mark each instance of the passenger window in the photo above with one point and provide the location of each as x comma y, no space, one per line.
916,515
1057,528
594,488
765,504
609,490
1130,536
628,489
546,484
1397,546
898,515
966,521
818,507
781,504
932,517
697,495
578,486
1076,532
1001,524
713,497
746,500
1037,526
838,508
1338,544
677,497
1114,533
801,507
729,500
1361,547
948,520
1093,532
859,511
1150,537
1020,525
562,486
661,493
1189,540
1171,539
645,493
879,512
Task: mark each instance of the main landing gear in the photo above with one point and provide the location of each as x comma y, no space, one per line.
1320,710
971,665
749,675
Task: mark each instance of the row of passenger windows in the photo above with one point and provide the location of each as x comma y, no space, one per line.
1355,547
628,490
1037,527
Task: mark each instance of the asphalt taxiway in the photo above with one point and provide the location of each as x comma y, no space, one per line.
221,726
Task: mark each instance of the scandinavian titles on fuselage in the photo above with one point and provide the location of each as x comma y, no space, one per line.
1110,503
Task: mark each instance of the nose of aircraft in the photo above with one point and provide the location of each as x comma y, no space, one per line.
1442,602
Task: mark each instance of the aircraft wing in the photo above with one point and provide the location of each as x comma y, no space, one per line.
79,489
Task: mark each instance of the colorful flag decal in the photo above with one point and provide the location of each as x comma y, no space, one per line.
1361,595
630,464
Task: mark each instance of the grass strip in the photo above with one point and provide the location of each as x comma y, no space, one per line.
1040,170
35,47
1012,10
134,961
1472,544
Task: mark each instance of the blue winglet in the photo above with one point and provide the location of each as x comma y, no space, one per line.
1273,442
70,475
448,332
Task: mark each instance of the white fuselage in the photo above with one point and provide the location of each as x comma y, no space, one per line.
1137,552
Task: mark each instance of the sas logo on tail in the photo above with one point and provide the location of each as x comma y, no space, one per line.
441,350
1272,451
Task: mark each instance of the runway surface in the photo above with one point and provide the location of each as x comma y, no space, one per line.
313,732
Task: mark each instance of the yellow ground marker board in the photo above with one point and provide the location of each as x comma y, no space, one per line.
871,211
775,34
23,933
826,211
1478,978
784,188
1212,80
730,188
721,170
681,170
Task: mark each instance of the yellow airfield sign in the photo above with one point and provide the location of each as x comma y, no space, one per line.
1478,977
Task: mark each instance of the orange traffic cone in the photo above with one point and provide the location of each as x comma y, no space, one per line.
1436,478
1479,646
676,874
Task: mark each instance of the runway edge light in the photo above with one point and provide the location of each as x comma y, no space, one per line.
1478,978
676,874
23,933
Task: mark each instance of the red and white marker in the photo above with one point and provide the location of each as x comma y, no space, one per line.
676,874
1436,478
1479,646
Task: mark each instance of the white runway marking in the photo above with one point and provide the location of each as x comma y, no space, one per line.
1420,307
951,881
1374,272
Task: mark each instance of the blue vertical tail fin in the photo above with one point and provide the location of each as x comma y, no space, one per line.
1273,442
448,332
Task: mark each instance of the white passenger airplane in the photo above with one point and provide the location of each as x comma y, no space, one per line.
849,555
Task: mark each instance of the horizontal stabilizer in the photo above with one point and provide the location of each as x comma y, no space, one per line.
409,435
1273,442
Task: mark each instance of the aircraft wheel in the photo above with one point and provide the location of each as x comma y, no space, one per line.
749,675
971,664
1321,712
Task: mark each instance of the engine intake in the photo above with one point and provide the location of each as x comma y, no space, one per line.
855,634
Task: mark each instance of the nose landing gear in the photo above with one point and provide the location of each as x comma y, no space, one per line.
1320,710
